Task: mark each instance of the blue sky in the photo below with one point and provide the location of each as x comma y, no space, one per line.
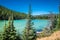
38,6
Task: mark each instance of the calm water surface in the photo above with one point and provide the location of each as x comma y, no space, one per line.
21,24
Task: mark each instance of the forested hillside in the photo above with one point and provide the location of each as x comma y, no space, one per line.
5,13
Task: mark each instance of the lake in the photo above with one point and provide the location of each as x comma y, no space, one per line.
21,24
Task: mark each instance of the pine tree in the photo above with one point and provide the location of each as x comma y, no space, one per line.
53,21
10,32
4,32
29,32
58,21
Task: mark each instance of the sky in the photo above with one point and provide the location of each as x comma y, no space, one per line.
38,6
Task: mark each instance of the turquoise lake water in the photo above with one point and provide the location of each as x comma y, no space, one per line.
21,24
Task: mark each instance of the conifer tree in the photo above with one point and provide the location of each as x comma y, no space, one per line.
10,32
4,32
58,20
53,21
29,32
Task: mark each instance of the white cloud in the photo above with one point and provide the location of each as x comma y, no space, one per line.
39,13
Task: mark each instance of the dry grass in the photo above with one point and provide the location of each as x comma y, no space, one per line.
54,36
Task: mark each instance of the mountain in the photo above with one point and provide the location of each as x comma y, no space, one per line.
5,13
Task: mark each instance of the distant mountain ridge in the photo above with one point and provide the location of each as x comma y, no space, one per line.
5,13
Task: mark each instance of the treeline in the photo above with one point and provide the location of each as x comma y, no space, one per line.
5,13
39,17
